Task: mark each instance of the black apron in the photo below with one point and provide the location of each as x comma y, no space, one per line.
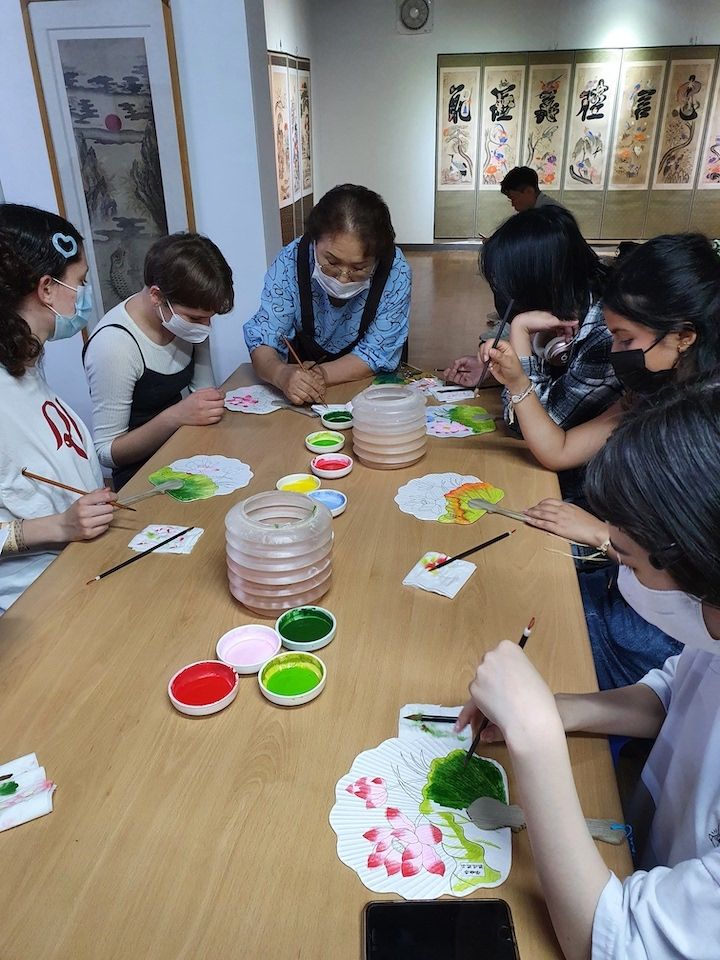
153,393
305,343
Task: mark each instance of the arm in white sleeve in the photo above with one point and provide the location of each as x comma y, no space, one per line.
203,371
662,914
113,365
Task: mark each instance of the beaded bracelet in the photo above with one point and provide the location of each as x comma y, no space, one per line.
516,398
15,542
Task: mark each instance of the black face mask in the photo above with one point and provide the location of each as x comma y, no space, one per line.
630,369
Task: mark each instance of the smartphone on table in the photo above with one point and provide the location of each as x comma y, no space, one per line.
439,930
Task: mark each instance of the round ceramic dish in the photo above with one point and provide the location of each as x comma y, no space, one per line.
306,628
337,419
247,648
331,466
298,483
290,679
334,500
202,688
325,441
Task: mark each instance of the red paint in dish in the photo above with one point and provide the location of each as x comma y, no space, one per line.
201,684
332,463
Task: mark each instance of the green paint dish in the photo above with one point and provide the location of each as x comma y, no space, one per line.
306,628
325,441
291,679
337,419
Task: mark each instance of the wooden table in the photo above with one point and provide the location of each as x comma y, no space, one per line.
186,838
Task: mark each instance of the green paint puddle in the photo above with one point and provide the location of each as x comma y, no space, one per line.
305,626
8,789
322,442
338,416
292,681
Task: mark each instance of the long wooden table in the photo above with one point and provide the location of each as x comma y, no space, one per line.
186,838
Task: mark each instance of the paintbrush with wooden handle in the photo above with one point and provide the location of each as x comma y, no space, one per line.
496,508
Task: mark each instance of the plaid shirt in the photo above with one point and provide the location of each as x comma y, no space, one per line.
587,387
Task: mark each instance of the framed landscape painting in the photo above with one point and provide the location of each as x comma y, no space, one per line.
107,81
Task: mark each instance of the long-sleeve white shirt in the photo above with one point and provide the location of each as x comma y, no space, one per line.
671,910
46,436
114,364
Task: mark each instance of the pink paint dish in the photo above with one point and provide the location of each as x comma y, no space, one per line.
247,648
203,688
331,466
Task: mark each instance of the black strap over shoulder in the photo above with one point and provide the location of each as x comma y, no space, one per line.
118,326
305,343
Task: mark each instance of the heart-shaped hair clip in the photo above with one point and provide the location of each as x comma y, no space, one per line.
65,245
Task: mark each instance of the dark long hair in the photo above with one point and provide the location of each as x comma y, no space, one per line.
539,259
668,284
27,254
655,480
349,208
190,270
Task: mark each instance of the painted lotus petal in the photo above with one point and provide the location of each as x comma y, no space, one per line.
398,820
411,867
432,862
393,863
429,833
377,833
405,836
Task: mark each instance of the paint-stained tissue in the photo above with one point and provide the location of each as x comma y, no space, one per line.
447,581
25,792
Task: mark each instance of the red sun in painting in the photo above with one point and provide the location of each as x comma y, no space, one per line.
113,123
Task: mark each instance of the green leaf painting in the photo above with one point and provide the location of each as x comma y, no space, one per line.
453,783
195,486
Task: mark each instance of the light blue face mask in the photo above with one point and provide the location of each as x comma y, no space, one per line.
68,326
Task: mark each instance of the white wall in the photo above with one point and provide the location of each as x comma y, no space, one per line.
374,90
220,48
288,28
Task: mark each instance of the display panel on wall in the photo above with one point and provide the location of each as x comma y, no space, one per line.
107,82
592,124
290,97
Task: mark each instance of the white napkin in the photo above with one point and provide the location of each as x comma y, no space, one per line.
444,395
447,581
442,731
323,408
156,532
25,792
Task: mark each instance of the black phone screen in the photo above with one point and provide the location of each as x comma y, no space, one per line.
439,930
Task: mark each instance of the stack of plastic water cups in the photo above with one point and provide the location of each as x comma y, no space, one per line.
279,551
389,428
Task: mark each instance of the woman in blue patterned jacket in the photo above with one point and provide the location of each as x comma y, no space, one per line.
340,294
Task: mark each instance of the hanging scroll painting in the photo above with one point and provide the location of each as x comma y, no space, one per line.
305,132
710,158
458,102
501,122
545,121
281,131
294,111
591,110
686,103
638,113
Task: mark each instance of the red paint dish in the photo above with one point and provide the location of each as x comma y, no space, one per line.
203,688
331,465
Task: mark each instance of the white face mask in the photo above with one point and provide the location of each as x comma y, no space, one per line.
334,287
190,332
672,611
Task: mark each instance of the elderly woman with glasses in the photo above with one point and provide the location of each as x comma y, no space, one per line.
340,295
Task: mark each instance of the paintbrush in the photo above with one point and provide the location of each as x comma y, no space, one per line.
485,721
296,357
139,556
64,486
496,508
430,718
500,329
466,553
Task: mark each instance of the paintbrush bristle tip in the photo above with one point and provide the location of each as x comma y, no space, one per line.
531,624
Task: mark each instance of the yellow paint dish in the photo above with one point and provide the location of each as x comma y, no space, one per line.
298,483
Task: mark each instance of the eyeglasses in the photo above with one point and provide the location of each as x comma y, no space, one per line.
338,270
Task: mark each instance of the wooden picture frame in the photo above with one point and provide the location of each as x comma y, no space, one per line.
107,83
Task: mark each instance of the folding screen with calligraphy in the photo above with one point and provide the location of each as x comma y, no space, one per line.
458,102
593,101
686,102
638,112
501,123
546,117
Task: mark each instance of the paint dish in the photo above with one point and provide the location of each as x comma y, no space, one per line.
298,483
325,441
247,648
306,628
337,419
334,500
292,678
331,466
202,688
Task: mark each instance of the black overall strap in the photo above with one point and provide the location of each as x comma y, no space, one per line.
117,326
309,348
